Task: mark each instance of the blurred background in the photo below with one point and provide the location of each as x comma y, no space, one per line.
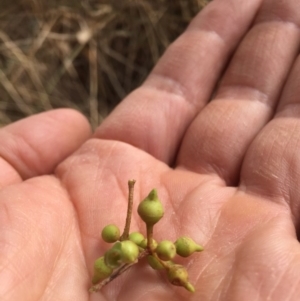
85,55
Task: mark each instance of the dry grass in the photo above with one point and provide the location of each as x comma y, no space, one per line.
85,54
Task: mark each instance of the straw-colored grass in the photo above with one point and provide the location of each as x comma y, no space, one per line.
85,54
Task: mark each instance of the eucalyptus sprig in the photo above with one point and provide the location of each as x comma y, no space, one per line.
129,248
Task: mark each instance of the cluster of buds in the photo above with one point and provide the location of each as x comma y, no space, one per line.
129,248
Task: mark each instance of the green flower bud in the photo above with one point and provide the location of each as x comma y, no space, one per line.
101,270
136,237
165,250
154,263
178,275
185,246
112,257
110,233
144,243
129,251
151,209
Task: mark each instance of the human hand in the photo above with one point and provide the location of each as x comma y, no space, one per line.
232,185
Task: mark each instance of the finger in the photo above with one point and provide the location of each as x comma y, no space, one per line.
272,164
8,175
155,116
35,145
220,135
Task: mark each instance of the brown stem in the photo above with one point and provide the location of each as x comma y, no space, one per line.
125,234
120,270
163,263
150,245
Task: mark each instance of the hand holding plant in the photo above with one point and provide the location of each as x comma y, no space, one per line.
227,170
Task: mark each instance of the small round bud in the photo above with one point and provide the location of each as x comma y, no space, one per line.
101,270
178,275
129,251
110,233
112,257
136,237
150,209
144,243
165,250
154,263
185,246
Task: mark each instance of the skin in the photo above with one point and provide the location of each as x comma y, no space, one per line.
233,184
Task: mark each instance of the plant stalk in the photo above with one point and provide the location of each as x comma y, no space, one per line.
120,270
150,245
125,234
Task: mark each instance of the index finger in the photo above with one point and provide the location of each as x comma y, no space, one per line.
155,116
35,145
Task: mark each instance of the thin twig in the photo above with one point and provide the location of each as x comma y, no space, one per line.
125,234
36,45
150,245
94,116
123,268
68,61
24,64
14,94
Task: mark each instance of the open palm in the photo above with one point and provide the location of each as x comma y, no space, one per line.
226,171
